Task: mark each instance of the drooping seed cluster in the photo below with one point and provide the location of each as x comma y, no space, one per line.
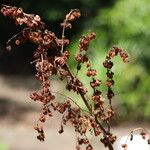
50,59
21,18
108,64
84,42
141,131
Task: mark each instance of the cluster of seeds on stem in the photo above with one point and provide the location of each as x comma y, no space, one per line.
50,59
30,20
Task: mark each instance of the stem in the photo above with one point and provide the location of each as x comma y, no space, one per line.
105,133
42,69
110,147
71,100
62,37
80,92
134,130
63,31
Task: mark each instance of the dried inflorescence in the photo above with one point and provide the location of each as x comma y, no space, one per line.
70,17
108,64
31,21
95,119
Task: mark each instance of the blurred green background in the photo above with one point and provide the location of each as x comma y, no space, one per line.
124,23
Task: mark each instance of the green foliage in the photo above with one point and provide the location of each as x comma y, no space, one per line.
127,24
3,146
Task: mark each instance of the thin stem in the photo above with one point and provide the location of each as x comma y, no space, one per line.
63,31
42,69
90,110
63,36
34,61
134,130
71,100
13,37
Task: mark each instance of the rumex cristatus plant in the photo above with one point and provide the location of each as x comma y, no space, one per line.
50,59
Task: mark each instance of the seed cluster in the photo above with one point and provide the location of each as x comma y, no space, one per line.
108,64
21,18
141,131
50,59
71,16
